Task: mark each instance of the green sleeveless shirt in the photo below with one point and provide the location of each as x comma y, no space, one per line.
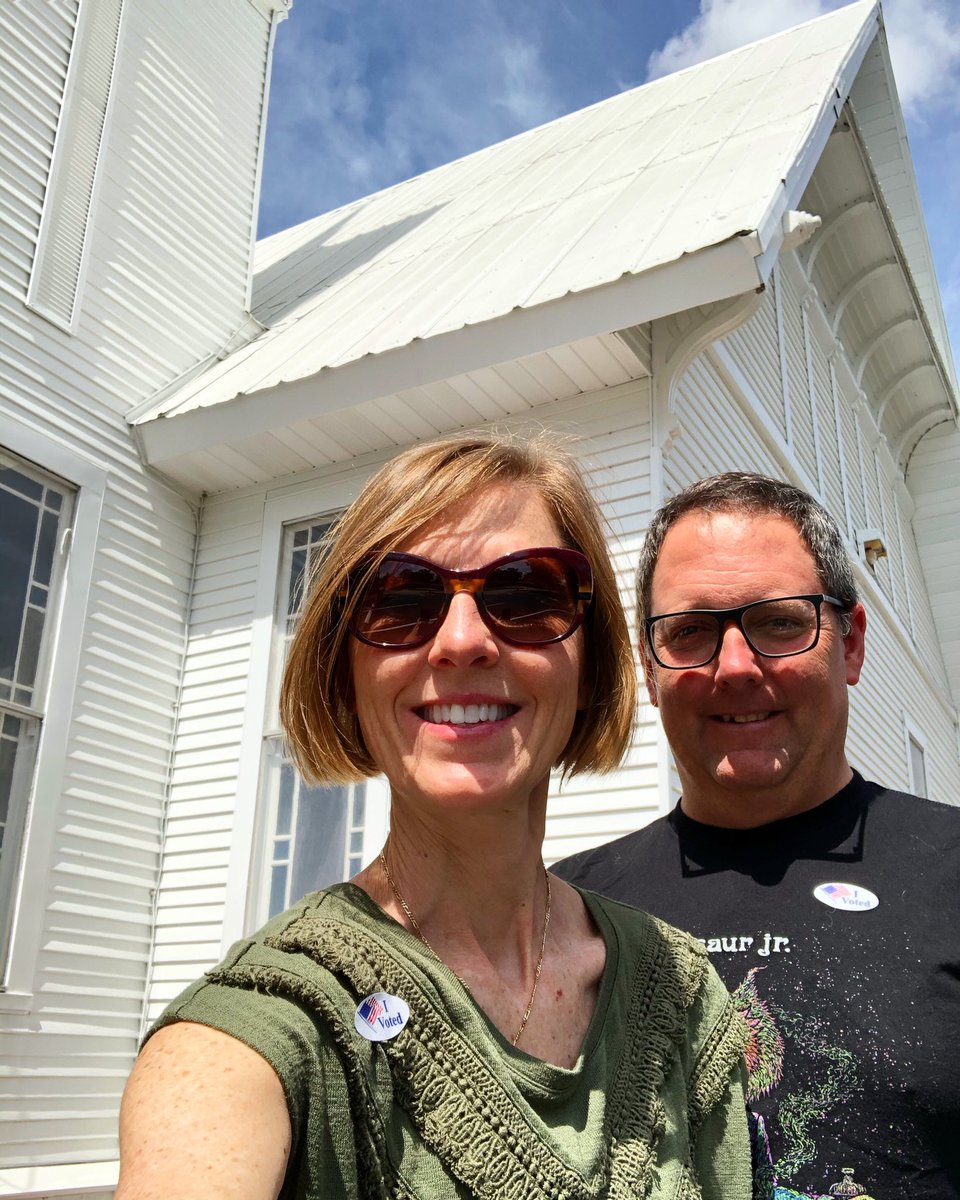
653,1108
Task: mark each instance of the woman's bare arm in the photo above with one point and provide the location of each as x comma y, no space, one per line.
203,1115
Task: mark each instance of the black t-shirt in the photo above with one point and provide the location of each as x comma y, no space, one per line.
839,931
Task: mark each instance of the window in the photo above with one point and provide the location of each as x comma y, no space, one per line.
33,513
311,837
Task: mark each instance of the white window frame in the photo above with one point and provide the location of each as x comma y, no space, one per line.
268,851
64,637
281,509
911,733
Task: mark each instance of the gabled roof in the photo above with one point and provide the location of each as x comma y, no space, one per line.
659,199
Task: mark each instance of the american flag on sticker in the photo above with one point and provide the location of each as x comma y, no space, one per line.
370,1009
837,889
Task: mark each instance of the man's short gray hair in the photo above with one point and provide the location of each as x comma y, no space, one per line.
742,492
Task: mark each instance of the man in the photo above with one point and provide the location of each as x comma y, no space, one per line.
829,903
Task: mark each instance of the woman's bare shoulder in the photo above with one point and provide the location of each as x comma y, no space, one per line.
203,1115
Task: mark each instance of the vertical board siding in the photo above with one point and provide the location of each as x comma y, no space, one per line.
801,416
891,692
165,281
933,644
613,440
831,483
850,431
934,483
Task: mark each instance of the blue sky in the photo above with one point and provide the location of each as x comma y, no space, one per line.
368,92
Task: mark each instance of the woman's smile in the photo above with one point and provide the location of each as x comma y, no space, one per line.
466,712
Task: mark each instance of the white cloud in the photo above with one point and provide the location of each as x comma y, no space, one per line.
723,25
924,37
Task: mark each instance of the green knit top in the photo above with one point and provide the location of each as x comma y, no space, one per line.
654,1106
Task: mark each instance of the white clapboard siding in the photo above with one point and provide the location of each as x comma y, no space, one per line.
904,680
755,347
204,781
164,288
716,434
64,1061
934,482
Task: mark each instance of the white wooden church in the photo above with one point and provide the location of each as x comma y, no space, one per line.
726,268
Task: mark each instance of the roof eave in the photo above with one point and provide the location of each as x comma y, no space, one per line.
787,197
717,272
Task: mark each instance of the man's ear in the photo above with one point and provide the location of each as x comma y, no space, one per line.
650,680
854,642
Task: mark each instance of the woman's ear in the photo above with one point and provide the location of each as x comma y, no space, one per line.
344,681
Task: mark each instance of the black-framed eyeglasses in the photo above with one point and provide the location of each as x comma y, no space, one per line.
776,628
527,598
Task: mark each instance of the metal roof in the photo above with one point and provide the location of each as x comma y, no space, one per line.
672,194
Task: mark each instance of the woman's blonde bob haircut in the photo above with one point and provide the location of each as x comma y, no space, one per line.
404,496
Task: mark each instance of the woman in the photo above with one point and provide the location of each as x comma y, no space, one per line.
453,1022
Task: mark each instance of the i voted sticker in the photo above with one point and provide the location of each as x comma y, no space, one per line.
381,1016
847,896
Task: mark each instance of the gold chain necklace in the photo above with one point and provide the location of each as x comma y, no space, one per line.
419,932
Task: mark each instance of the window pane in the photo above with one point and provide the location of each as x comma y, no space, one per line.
288,783
9,738
28,545
30,647
298,564
315,840
46,547
318,858
18,736
18,528
20,483
278,889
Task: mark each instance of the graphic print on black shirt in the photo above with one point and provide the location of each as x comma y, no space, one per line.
852,994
